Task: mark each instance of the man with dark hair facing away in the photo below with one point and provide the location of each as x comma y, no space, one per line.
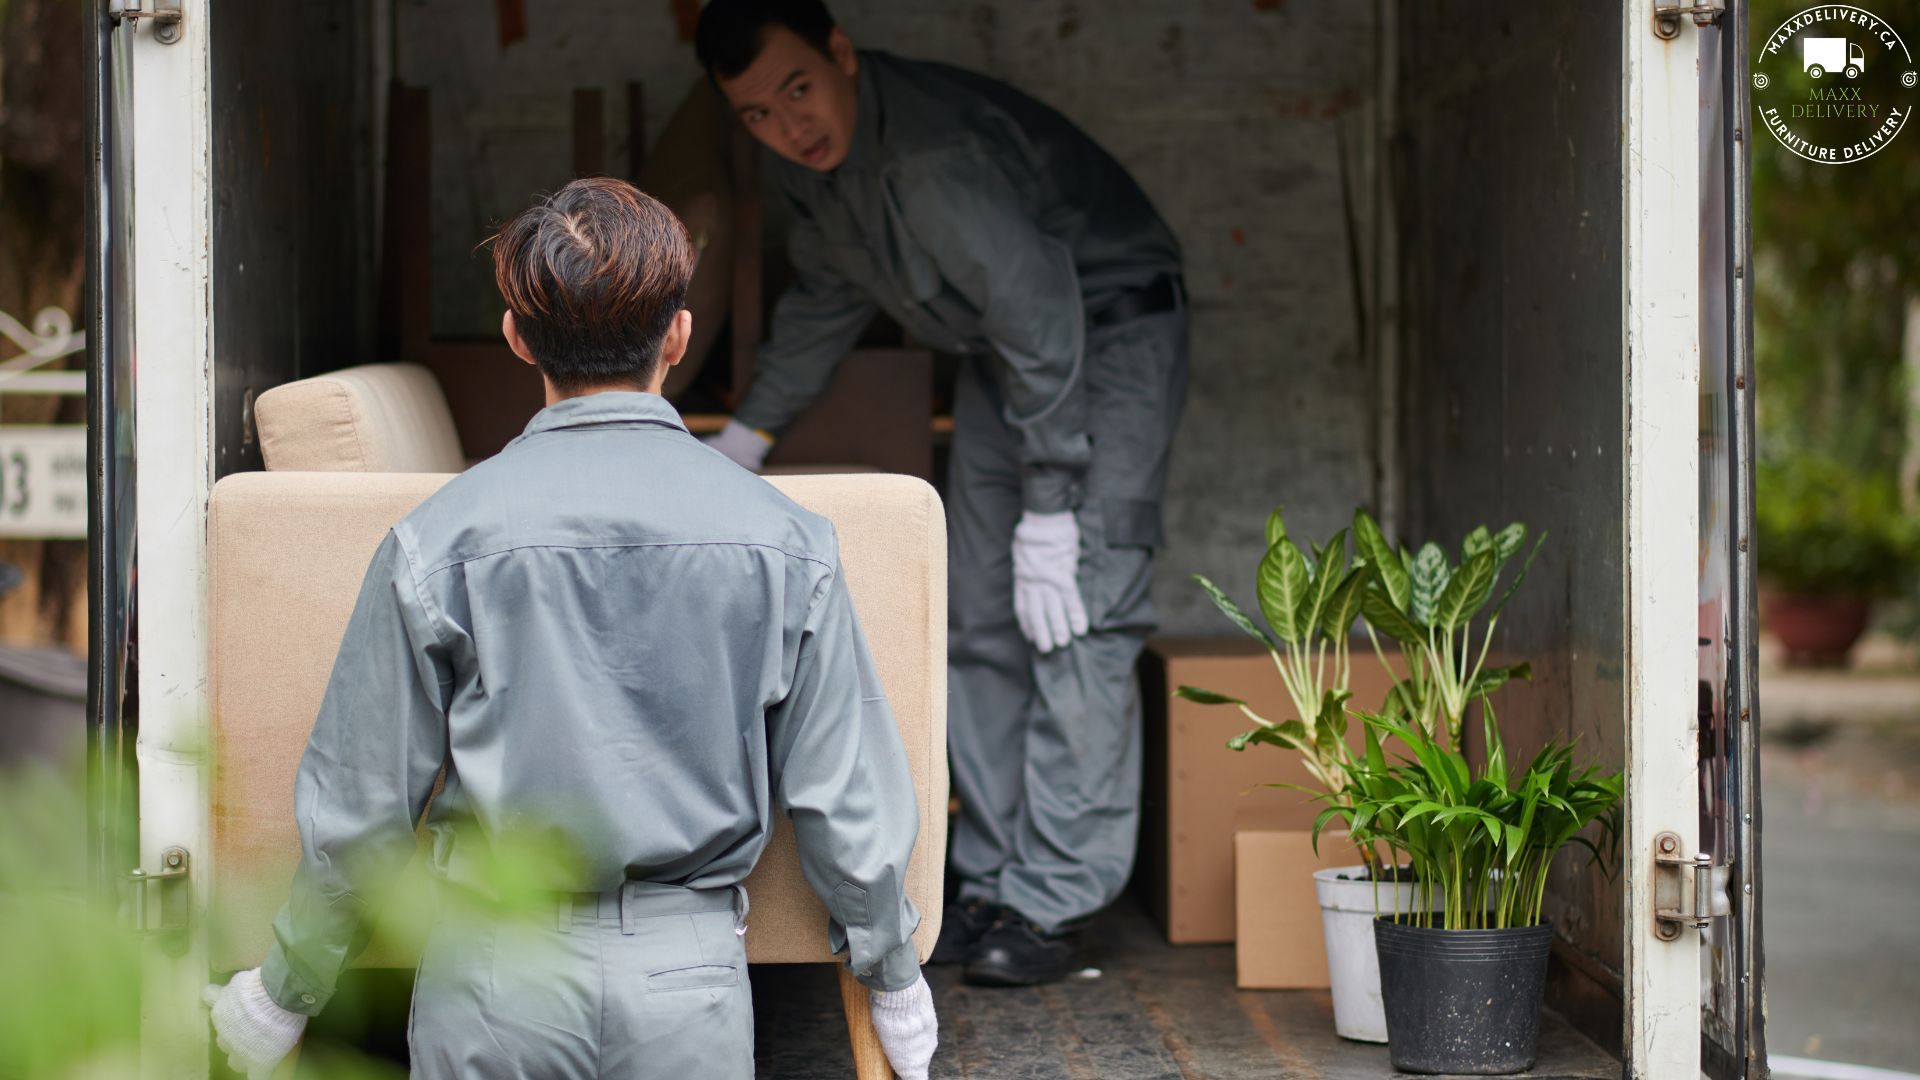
989,227
619,647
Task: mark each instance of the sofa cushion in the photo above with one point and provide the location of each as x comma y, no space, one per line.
374,418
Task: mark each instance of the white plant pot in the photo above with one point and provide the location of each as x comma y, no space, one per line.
1347,909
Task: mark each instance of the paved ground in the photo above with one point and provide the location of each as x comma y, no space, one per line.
1840,841
1156,1012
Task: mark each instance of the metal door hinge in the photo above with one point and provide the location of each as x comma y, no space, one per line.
1666,17
158,900
167,16
1678,903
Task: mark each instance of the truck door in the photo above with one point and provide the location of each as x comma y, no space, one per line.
150,383
1692,989
1732,1043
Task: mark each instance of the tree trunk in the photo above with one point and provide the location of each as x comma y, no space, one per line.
42,264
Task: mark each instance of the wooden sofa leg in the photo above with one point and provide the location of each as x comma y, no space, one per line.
869,1060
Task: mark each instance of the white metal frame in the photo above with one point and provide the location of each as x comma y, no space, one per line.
1662,277
173,401
173,409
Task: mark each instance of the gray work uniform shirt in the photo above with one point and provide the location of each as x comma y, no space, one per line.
984,223
622,648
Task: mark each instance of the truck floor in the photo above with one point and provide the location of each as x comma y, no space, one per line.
1154,1011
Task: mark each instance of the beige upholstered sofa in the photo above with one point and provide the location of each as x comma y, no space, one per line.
288,549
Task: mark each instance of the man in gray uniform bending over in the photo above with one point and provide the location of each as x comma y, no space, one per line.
620,647
988,226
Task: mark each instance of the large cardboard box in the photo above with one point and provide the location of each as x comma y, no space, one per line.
1278,944
1198,793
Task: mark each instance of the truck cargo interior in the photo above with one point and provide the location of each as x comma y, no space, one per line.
1403,235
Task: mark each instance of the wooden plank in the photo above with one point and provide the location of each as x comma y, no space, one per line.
869,1058
406,241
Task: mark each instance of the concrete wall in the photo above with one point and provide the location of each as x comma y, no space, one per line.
1231,114
1509,175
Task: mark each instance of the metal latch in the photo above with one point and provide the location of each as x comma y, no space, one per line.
167,16
1666,17
1675,906
159,900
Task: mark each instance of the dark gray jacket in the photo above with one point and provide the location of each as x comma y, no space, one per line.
983,222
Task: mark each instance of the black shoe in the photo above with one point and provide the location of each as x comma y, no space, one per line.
1015,952
961,927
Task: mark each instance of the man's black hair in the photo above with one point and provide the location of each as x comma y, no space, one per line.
731,32
594,274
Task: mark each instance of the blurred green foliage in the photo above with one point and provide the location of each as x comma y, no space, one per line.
70,975
1825,528
1836,260
69,979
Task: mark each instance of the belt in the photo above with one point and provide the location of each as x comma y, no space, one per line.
1164,293
636,900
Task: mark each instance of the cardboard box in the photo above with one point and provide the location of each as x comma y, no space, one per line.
1198,793
1278,944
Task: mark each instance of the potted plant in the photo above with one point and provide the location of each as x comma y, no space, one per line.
1831,541
1310,600
1461,977
1463,982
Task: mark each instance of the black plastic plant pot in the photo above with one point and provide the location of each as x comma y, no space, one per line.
1462,1002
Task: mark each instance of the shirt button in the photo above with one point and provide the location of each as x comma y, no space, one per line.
306,999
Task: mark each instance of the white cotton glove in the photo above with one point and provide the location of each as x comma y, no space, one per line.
908,1030
251,1030
745,446
1046,596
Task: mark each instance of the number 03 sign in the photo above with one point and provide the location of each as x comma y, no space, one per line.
43,481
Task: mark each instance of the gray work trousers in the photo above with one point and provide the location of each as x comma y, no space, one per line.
1045,749
647,981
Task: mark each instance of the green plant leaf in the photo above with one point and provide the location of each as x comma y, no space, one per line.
1388,619
1508,541
1371,547
1477,541
1466,590
1333,712
1232,611
1276,527
1291,734
1493,678
1430,576
1336,618
1332,557
1205,697
1518,578
1329,743
1283,582
1375,757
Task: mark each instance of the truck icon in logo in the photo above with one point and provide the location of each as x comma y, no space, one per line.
1819,55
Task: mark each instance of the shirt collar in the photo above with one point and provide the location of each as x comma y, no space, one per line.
607,407
869,120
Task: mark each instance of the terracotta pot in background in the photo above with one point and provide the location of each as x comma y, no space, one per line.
1817,630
